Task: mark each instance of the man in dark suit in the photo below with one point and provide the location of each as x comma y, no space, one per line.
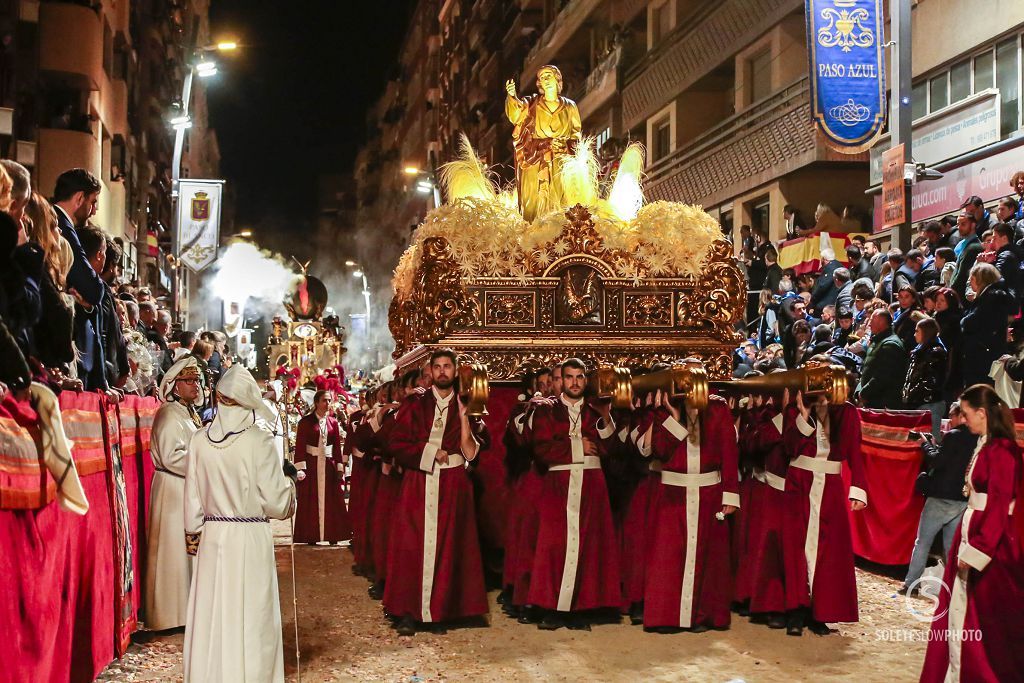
75,197
89,318
825,290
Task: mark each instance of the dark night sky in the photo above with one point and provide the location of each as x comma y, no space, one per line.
291,103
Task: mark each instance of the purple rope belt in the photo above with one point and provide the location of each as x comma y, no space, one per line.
216,518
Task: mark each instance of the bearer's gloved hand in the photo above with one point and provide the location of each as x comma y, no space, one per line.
290,470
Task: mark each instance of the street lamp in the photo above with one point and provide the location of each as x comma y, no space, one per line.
198,64
245,233
358,273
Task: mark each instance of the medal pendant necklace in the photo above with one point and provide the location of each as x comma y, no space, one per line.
438,422
574,426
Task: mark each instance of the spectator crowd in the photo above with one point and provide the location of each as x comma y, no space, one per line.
67,318
914,327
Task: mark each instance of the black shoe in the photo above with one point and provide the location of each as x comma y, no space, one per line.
406,627
759,618
777,621
528,615
376,591
664,630
795,623
636,613
505,596
700,628
742,608
551,622
577,623
357,570
513,611
818,628
437,628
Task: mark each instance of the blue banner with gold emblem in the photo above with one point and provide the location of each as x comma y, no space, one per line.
844,43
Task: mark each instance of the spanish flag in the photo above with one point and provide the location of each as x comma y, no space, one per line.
803,254
151,244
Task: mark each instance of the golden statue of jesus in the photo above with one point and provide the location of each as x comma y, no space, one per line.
547,128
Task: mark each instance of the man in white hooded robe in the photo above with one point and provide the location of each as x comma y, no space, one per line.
234,484
168,566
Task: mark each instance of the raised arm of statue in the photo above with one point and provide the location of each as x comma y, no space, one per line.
515,108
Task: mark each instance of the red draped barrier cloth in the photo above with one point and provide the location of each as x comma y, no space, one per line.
885,531
57,594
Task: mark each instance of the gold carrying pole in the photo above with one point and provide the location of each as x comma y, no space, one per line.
811,380
686,379
474,389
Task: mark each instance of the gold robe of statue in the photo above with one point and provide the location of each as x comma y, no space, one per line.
547,128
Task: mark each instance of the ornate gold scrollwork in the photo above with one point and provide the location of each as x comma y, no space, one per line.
647,309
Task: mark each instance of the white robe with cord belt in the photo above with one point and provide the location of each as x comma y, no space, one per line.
233,633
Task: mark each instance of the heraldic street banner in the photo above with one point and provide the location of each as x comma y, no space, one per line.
847,64
199,221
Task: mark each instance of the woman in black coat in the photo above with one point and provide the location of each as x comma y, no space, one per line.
985,325
926,373
948,313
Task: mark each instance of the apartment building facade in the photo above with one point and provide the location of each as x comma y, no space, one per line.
90,84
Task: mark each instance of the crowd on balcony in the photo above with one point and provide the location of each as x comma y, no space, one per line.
67,319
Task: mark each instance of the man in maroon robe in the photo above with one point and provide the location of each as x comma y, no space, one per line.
435,571
821,585
321,513
355,485
689,577
576,563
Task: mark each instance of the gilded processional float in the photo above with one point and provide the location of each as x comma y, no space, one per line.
561,265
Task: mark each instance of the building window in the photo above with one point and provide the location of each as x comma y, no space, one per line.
602,138
960,81
938,93
1008,82
661,139
759,72
661,21
919,101
983,72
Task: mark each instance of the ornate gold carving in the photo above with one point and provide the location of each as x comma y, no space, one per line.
579,297
584,291
647,309
510,308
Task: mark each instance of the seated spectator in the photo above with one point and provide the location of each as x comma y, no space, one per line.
966,250
907,315
942,485
844,288
843,327
948,312
976,208
928,297
796,342
826,289
774,273
1017,185
926,373
886,289
985,324
988,249
768,323
859,266
821,341
885,367
828,315
945,265
1006,212
1007,260
919,262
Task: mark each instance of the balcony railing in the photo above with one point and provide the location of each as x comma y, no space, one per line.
601,84
564,25
702,42
764,141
